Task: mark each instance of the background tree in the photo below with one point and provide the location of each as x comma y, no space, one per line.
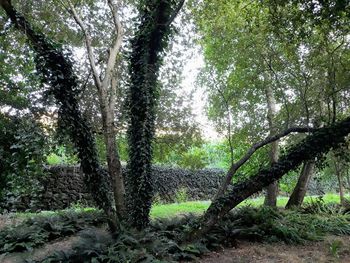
258,58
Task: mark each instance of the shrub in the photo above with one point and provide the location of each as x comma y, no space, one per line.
181,195
22,155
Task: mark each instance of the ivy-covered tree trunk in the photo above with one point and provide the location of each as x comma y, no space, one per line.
321,141
297,197
57,71
149,42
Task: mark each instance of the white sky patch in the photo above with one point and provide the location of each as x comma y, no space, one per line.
190,73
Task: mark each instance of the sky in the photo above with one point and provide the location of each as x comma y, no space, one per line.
190,74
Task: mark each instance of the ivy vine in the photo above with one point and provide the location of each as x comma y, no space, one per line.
148,45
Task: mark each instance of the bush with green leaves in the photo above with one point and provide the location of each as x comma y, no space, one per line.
195,158
23,149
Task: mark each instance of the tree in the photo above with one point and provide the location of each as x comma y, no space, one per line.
57,72
150,40
319,76
258,54
309,148
107,89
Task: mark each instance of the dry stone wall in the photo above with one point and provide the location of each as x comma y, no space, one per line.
63,186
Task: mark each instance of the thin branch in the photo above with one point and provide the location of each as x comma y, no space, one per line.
112,58
88,45
174,14
234,167
229,123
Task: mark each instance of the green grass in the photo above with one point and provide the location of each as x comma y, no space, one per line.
198,207
195,207
170,210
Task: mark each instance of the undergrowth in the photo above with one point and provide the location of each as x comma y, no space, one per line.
39,230
161,242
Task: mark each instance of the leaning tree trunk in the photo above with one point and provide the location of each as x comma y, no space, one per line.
299,192
320,142
57,71
272,189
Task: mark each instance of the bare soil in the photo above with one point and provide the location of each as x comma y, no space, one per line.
332,249
9,220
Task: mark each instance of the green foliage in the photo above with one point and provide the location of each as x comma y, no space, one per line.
61,156
288,182
195,158
334,247
181,195
320,206
38,230
267,224
162,240
23,150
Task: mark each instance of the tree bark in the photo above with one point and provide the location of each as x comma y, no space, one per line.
57,72
113,160
272,189
106,88
297,197
338,173
321,141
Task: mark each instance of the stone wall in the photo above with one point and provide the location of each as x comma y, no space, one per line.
64,186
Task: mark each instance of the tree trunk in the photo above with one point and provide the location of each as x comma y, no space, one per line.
321,141
114,169
57,72
339,175
341,190
113,160
272,189
147,46
297,197
107,88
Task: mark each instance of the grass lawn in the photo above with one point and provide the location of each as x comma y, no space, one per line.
198,207
171,210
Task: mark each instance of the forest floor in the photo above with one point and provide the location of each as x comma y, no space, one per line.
332,249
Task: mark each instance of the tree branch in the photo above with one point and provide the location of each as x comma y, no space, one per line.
116,45
89,48
319,142
235,166
174,14
229,123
